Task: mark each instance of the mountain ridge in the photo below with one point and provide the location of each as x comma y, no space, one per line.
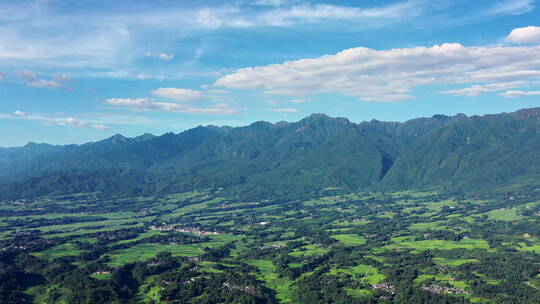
290,158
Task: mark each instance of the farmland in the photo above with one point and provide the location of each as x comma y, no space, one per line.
195,246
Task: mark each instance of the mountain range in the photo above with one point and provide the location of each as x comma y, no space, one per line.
290,159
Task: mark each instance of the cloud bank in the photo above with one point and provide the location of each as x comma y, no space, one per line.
392,75
515,94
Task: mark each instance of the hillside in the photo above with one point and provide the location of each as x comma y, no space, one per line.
297,159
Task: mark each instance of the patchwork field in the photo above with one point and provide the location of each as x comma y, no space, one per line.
354,248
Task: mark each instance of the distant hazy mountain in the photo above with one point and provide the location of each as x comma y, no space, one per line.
289,159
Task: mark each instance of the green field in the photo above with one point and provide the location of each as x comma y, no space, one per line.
350,239
281,249
143,252
443,245
282,286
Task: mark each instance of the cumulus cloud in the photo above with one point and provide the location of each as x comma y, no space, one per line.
32,79
58,121
143,104
525,35
179,94
515,94
162,56
391,75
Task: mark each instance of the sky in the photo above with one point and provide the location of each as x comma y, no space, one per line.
73,71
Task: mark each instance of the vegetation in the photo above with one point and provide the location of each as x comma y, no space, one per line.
257,215
199,247
317,156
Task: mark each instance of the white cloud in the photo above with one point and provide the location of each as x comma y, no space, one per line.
162,56
127,101
286,110
472,91
142,104
298,100
314,12
38,34
57,121
390,75
529,34
100,127
269,2
511,7
179,102
73,122
515,94
286,15
102,120
33,80
476,90
179,94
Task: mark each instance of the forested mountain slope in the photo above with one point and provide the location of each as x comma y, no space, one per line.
476,152
289,159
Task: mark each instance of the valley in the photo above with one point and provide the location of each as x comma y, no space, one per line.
361,247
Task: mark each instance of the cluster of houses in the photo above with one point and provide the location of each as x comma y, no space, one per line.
384,287
434,288
273,246
29,243
170,228
21,247
102,272
247,289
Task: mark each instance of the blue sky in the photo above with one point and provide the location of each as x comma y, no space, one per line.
74,71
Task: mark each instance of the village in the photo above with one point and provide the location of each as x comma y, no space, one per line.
193,230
